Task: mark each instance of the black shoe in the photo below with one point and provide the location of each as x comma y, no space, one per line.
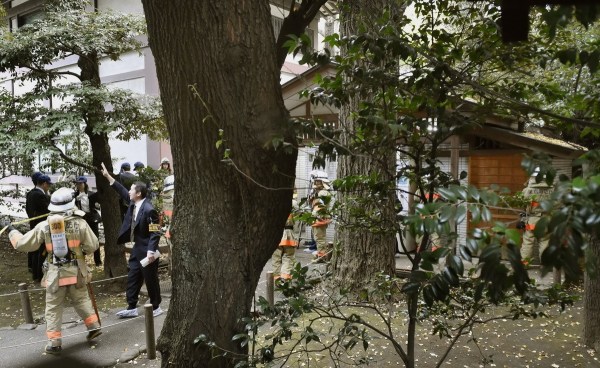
53,349
93,334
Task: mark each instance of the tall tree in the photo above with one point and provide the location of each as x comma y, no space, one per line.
219,80
363,252
70,30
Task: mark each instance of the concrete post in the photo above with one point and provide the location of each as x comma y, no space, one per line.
270,288
25,303
150,338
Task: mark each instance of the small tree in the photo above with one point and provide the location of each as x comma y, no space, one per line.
71,31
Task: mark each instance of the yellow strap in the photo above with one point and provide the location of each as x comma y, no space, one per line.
23,222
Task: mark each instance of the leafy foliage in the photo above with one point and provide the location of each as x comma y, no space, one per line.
418,83
60,101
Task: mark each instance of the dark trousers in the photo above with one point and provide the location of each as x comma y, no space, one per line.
94,226
136,277
35,261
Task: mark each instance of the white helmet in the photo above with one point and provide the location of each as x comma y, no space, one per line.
319,175
61,200
169,183
165,160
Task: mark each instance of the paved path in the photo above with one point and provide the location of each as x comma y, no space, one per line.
122,339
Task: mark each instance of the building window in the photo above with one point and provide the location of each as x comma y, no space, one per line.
29,18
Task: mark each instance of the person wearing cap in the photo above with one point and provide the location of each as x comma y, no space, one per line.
141,227
165,165
138,166
36,205
86,201
67,239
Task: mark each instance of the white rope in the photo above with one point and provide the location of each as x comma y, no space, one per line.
71,335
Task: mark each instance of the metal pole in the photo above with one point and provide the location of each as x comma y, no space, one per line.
25,304
270,288
150,339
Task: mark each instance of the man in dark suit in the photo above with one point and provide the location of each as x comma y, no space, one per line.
140,226
36,204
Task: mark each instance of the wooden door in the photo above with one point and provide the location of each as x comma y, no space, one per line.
503,170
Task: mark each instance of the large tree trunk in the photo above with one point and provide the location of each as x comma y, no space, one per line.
114,256
228,215
362,253
591,300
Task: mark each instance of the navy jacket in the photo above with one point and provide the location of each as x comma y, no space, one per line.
144,238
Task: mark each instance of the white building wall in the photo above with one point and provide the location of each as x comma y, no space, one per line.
123,6
128,62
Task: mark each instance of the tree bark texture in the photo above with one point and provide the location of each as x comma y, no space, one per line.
361,253
217,70
591,300
114,255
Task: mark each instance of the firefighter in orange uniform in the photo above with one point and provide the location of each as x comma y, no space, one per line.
68,238
284,257
319,204
537,192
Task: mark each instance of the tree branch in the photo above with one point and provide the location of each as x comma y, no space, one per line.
517,105
49,72
73,161
295,24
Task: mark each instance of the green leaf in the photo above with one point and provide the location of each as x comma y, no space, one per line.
486,214
540,227
514,236
447,213
456,264
411,287
461,214
447,194
428,295
593,61
465,253
473,192
450,276
568,56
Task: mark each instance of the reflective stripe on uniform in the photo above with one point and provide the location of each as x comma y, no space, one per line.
54,334
14,237
67,281
288,243
49,247
530,227
91,320
168,213
534,204
74,243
